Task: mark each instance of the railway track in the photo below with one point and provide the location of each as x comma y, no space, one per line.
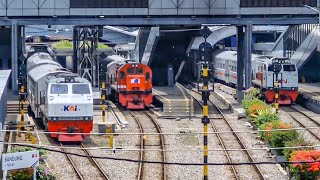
297,118
222,143
142,166
81,174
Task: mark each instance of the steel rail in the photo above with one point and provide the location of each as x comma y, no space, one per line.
72,163
221,143
95,163
299,122
142,146
162,143
258,170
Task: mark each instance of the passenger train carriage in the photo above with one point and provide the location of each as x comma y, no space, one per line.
60,99
225,70
131,84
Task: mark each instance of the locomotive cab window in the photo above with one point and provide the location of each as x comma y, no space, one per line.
139,70
148,76
289,68
80,89
122,75
130,70
59,89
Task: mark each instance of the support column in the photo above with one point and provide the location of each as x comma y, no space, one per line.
14,56
87,39
240,62
23,40
75,52
248,55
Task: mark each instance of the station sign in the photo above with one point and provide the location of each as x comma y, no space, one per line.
20,160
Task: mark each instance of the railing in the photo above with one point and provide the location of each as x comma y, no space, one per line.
294,37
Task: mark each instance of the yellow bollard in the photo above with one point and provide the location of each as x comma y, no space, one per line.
33,139
19,129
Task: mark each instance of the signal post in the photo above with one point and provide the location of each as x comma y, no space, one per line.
205,58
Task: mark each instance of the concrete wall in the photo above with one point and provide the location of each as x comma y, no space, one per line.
4,76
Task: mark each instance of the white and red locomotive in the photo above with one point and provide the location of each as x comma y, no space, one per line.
60,99
131,84
225,70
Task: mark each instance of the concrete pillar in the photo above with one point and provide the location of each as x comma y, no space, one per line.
23,40
14,56
75,50
248,55
240,62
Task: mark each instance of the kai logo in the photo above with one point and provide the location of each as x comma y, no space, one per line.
70,108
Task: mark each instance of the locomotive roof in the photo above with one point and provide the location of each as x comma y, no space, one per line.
39,59
115,58
232,55
43,70
229,55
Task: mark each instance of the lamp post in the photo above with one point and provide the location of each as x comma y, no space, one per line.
314,9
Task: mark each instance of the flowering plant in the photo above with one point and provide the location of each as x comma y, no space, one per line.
305,171
277,138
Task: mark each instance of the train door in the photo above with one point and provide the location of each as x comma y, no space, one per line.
226,71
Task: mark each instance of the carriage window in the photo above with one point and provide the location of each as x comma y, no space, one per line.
59,89
139,70
289,68
80,89
148,76
130,70
122,74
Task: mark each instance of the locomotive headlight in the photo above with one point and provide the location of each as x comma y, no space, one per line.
86,118
51,98
89,97
54,118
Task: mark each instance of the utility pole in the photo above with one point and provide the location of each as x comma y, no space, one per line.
205,56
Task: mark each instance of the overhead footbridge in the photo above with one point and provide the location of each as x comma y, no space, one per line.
157,12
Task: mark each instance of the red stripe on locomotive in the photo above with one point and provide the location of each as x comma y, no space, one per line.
70,126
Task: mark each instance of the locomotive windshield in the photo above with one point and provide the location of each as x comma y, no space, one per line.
80,89
59,89
289,68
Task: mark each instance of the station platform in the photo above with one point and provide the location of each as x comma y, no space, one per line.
175,100
113,116
309,96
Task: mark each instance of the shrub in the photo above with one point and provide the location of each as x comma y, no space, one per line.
252,93
266,117
254,108
21,174
294,143
277,138
43,174
305,170
65,44
250,102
